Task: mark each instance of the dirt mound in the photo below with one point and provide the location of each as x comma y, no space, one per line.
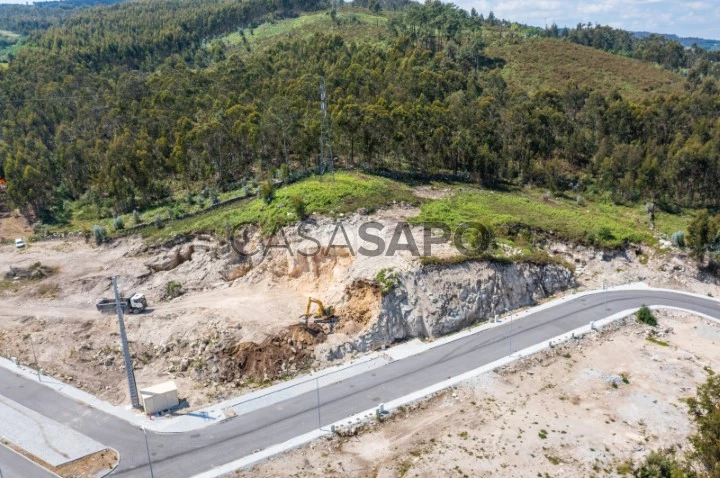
278,355
36,271
362,304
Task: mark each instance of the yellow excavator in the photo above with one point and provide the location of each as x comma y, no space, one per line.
323,315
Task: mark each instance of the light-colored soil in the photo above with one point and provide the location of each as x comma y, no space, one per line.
554,414
174,339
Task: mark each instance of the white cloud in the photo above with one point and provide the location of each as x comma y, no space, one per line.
682,17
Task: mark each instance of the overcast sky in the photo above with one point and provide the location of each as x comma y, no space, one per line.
699,18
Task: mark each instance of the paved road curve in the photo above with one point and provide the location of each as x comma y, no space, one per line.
180,455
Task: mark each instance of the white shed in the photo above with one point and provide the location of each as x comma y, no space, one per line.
159,397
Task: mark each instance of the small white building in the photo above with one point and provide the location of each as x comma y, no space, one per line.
159,397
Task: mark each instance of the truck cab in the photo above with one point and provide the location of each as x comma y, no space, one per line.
138,303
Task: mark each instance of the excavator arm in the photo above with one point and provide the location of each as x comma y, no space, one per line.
323,315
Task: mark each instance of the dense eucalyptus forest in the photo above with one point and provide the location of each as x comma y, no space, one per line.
123,103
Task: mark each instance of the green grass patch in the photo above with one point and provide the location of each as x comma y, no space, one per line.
351,24
513,215
659,342
346,193
553,459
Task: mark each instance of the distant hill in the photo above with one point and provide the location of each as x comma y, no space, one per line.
687,42
535,64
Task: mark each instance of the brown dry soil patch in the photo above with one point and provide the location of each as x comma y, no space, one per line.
277,356
362,305
12,227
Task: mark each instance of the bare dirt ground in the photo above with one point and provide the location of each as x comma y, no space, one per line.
13,226
565,412
179,338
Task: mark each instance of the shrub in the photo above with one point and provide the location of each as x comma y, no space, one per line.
660,464
645,316
173,289
387,279
267,191
100,234
136,217
678,239
605,234
118,223
157,221
298,204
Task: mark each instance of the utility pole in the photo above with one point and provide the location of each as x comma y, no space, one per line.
37,365
147,447
126,349
326,155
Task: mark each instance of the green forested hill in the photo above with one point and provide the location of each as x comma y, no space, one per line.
123,105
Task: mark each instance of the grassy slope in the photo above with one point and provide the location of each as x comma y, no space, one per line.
543,63
588,223
347,192
596,221
352,24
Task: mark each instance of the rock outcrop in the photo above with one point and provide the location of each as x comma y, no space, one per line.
434,301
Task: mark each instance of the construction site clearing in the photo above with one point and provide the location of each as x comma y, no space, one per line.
218,326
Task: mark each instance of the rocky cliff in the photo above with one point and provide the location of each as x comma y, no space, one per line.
434,301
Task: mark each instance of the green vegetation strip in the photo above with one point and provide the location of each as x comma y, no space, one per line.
346,192
507,214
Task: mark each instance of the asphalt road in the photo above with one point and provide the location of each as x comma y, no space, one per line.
181,455
14,465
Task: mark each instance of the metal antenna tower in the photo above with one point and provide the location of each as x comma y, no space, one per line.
326,156
126,349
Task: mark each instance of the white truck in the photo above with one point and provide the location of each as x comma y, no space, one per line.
135,304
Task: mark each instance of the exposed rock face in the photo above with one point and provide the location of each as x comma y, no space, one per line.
435,301
171,259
